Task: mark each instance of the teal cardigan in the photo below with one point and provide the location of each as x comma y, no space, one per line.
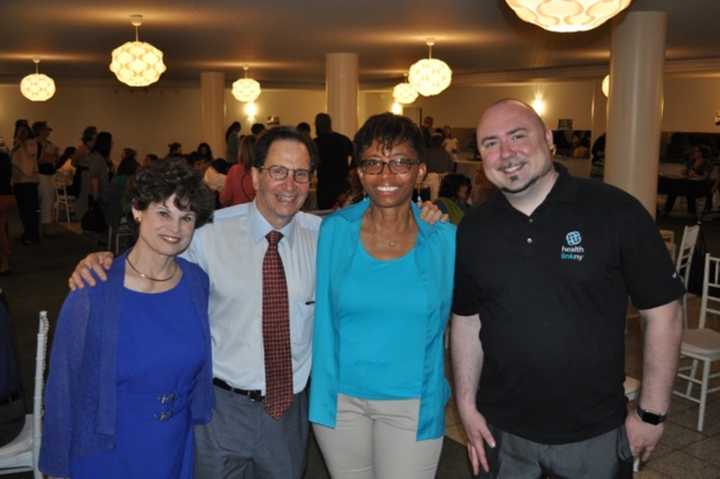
339,233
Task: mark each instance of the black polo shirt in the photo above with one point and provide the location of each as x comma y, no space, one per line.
551,290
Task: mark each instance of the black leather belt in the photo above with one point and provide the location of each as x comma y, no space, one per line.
255,394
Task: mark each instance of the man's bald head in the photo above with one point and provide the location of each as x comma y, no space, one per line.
513,103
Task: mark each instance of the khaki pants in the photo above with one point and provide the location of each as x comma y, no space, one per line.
376,440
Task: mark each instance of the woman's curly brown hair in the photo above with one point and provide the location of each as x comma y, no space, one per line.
159,181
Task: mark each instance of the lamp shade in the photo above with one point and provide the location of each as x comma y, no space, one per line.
37,87
404,93
430,76
246,90
567,15
137,64
605,87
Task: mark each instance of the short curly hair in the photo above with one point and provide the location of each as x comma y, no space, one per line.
388,130
172,176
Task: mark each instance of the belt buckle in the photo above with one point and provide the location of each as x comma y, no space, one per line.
255,396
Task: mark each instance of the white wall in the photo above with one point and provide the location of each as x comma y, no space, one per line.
145,119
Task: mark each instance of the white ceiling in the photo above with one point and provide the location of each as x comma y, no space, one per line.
284,41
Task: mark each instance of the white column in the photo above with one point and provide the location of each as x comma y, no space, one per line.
341,91
212,110
637,58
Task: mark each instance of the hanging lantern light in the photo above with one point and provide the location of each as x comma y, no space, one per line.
396,108
567,15
137,63
246,89
605,87
404,93
37,86
430,76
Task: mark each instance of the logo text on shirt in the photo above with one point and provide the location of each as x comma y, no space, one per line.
572,251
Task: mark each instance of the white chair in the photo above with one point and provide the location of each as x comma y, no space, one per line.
63,200
702,344
632,390
684,260
23,453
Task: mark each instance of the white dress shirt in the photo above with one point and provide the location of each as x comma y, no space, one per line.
231,250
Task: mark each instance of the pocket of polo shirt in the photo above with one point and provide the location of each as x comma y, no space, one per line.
301,322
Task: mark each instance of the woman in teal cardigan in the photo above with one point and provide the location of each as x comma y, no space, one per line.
383,295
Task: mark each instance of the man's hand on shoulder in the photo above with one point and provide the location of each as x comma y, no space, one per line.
430,213
96,263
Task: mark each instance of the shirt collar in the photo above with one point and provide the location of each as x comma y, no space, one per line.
260,227
563,191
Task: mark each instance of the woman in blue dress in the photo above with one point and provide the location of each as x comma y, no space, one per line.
130,370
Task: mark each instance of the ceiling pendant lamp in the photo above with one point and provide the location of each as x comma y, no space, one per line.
137,63
404,93
567,15
37,86
430,76
246,89
605,86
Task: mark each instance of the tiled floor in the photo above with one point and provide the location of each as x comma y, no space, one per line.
39,283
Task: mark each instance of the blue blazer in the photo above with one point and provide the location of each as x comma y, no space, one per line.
339,233
81,392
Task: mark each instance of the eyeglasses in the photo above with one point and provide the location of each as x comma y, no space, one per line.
396,167
280,173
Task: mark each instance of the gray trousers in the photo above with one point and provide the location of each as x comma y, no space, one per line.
606,456
243,442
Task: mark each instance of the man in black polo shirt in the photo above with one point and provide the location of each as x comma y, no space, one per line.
546,267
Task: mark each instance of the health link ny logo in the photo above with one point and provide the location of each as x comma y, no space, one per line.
572,251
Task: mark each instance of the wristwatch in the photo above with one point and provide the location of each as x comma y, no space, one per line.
650,417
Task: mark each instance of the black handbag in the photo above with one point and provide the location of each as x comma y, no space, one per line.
94,219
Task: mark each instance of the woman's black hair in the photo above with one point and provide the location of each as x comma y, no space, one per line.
388,130
450,185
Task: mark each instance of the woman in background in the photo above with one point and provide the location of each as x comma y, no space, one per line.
25,181
238,183
453,196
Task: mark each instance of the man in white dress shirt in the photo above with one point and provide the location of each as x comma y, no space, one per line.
243,440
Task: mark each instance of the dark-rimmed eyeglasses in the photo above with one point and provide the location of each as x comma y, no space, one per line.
396,167
280,173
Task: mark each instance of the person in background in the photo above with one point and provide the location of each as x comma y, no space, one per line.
335,152
130,369
257,129
125,171
96,180
149,159
384,289
25,181
697,169
450,143
427,129
87,140
174,150
7,203
543,273
238,183
47,157
304,128
438,160
455,190
232,137
204,151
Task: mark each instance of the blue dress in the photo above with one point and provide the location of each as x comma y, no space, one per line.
160,353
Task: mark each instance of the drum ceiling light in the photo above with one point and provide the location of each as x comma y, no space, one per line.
404,93
430,76
567,15
37,86
246,89
137,63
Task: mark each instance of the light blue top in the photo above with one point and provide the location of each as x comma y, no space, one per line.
434,258
383,313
